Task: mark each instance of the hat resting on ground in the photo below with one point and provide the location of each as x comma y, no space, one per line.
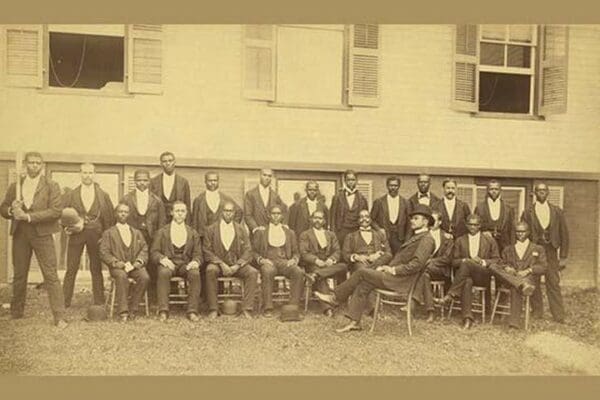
290,312
95,313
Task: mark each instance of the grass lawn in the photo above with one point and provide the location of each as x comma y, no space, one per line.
234,346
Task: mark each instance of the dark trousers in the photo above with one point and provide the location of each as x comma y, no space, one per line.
515,284
335,271
248,274
163,287
141,278
87,238
432,274
279,267
394,241
555,300
25,242
359,286
469,274
151,268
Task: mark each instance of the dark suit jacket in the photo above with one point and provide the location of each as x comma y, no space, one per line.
355,244
344,217
45,209
488,250
310,250
261,244
163,247
505,225
240,251
155,215
203,217
534,258
380,215
105,205
442,258
456,223
413,201
299,219
255,212
558,234
181,191
112,248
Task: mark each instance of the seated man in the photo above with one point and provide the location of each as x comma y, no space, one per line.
320,253
366,247
438,266
124,250
227,250
409,261
520,264
277,254
177,251
473,255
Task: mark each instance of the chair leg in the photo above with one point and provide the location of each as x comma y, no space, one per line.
376,311
409,316
495,307
147,307
483,305
450,309
306,297
526,313
113,295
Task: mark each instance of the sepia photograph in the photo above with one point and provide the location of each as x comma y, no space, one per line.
299,199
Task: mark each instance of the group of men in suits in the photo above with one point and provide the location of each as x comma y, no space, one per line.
156,232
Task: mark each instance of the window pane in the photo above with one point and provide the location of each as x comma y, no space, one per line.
495,32
508,93
519,56
521,33
492,54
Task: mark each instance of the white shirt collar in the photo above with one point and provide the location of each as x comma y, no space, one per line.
122,226
421,230
521,248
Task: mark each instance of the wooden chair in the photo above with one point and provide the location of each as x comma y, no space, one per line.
112,294
478,306
227,290
438,293
309,294
180,296
397,299
503,308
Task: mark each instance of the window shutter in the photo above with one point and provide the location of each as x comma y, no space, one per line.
467,192
363,65
465,69
552,83
366,189
128,184
144,59
513,195
556,195
259,61
24,55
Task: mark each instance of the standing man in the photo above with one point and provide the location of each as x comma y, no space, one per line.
390,214
423,195
454,211
96,209
208,206
345,207
409,261
277,254
303,209
548,229
473,255
497,217
125,251
366,247
34,218
177,251
228,252
169,186
259,201
320,254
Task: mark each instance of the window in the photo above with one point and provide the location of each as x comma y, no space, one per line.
513,195
312,65
511,69
85,58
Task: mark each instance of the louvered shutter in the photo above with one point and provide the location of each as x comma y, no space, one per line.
552,80
556,195
259,61
366,189
364,61
467,192
144,59
465,69
24,55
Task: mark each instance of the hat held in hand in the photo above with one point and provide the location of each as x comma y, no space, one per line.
290,312
71,220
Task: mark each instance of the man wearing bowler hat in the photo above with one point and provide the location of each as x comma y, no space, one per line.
397,276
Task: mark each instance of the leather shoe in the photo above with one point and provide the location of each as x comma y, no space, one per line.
246,314
430,316
193,317
268,314
467,324
352,326
61,324
163,316
444,301
213,315
328,313
527,289
327,298
124,317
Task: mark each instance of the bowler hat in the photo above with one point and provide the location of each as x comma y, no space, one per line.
95,313
422,209
290,312
229,307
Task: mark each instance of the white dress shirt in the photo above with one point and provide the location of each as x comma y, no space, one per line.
450,206
350,196
521,248
367,235
168,182
312,205
437,238
494,206
542,211
28,189
213,199
276,235
227,234
142,199
178,234
264,194
87,196
393,207
125,233
321,238
426,199
474,244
